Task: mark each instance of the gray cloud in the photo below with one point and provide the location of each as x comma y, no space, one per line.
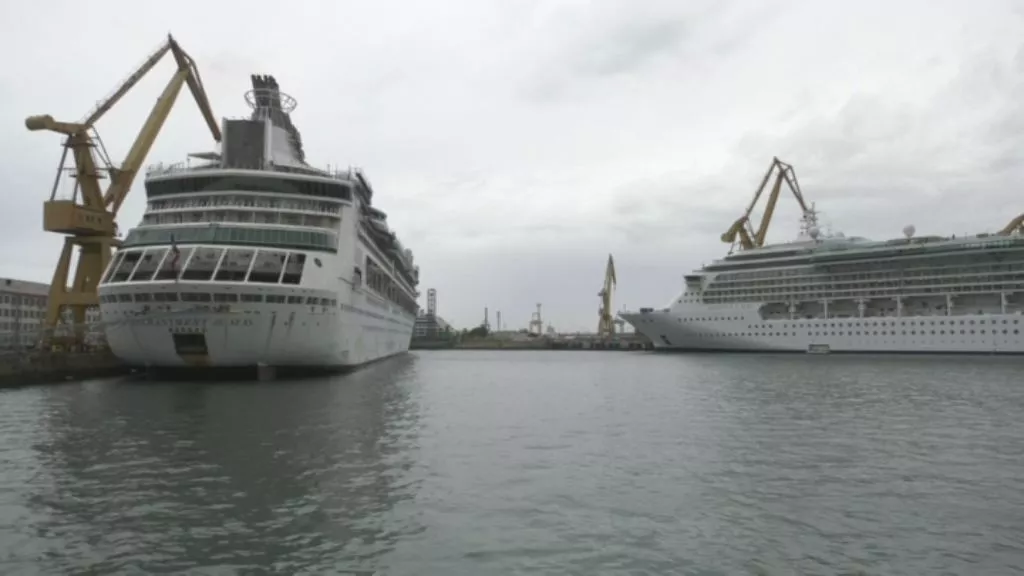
514,145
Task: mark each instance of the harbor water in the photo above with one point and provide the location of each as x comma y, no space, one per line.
527,462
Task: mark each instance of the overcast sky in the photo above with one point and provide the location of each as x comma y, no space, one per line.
515,144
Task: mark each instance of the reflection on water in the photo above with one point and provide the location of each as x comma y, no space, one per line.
482,463
171,476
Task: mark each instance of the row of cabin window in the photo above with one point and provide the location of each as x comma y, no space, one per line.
244,201
1016,331
380,282
305,239
226,297
275,185
748,296
839,284
842,257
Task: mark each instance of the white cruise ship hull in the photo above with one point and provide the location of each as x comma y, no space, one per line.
742,329
248,336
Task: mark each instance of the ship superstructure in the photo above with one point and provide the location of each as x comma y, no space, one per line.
825,292
249,256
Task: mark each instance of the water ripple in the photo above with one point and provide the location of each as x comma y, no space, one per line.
513,463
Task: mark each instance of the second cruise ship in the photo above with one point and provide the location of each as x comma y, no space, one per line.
831,293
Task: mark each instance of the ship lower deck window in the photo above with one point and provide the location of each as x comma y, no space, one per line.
195,297
112,266
235,266
148,265
170,268
126,266
202,264
293,269
267,267
225,297
252,298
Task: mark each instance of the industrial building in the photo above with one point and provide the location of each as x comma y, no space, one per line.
428,323
22,311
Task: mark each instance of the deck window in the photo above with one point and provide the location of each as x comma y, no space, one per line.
235,266
112,266
267,267
276,185
202,264
171,267
293,270
126,266
148,264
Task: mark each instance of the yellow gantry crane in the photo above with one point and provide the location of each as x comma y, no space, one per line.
606,320
1015,226
742,231
88,219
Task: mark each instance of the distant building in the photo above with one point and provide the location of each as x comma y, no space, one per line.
428,323
429,326
22,311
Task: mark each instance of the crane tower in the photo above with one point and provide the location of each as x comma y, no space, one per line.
605,318
536,323
87,219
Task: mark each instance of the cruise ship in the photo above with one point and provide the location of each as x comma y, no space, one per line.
250,257
826,292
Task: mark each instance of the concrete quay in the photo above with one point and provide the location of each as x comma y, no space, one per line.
34,367
628,342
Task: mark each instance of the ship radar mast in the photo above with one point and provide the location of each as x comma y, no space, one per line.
809,224
266,95
268,102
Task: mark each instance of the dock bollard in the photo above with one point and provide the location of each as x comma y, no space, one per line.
265,372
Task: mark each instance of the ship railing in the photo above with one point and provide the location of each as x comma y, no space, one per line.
240,206
161,168
343,174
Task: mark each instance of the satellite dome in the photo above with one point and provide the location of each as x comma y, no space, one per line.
813,232
909,230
